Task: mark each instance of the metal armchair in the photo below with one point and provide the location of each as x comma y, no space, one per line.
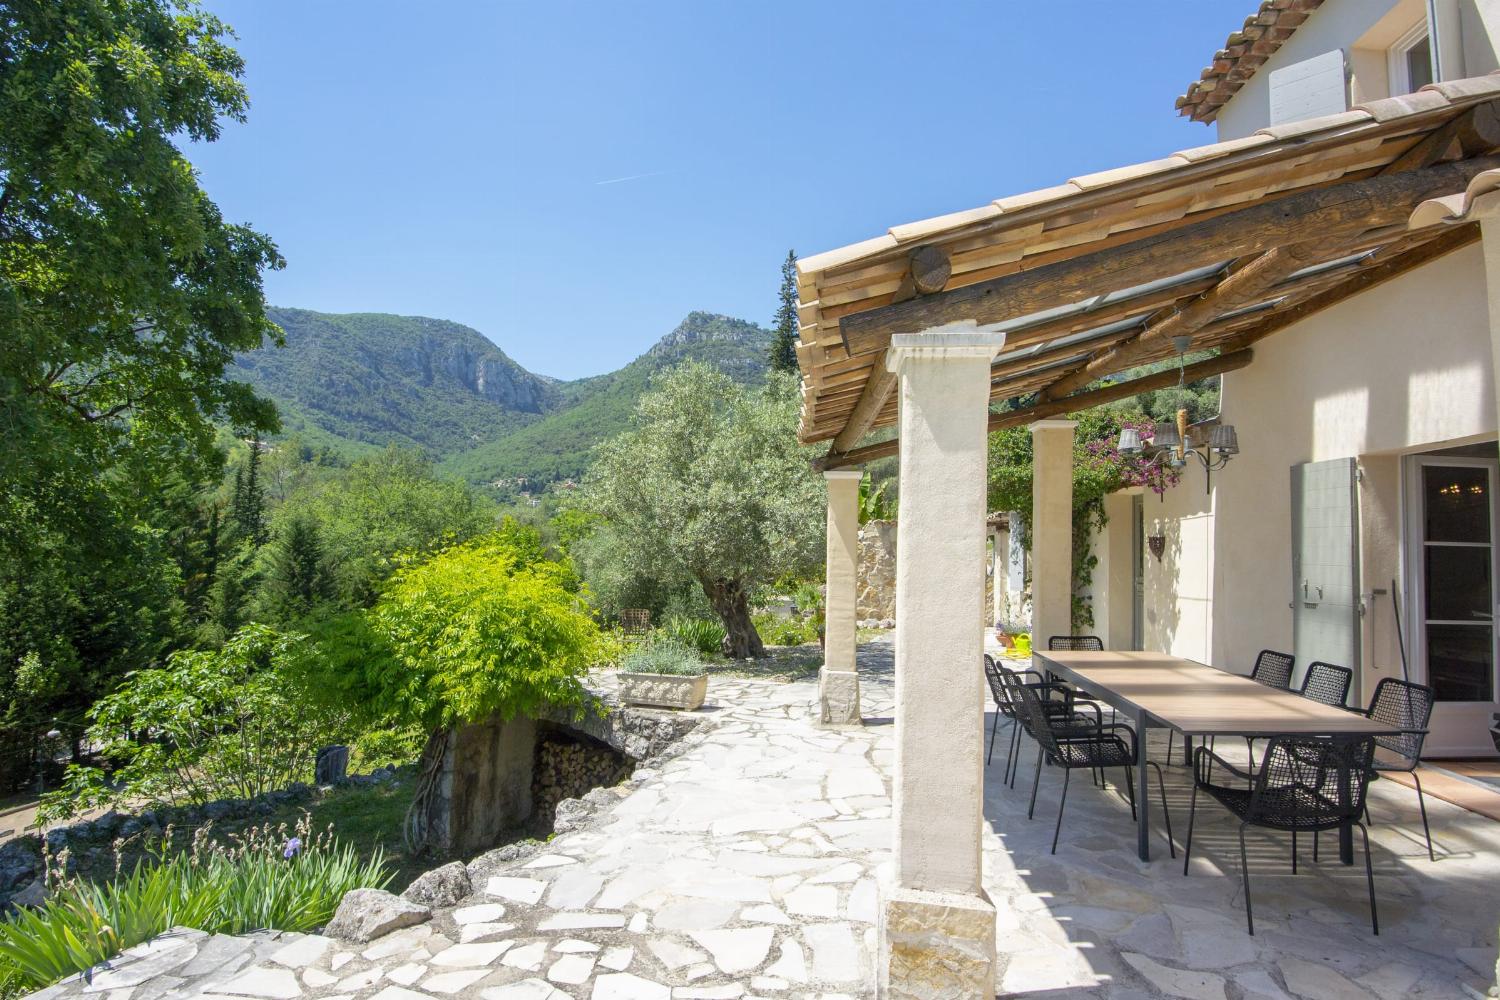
1305,784
1095,747
1407,706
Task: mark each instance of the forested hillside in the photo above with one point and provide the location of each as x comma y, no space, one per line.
362,381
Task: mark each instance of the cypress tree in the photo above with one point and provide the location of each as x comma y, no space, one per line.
783,343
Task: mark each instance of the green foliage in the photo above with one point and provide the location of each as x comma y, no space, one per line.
874,504
707,637
711,485
224,723
783,353
478,629
252,886
778,630
296,579
123,293
663,655
380,507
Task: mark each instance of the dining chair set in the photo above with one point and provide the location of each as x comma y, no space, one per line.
1302,784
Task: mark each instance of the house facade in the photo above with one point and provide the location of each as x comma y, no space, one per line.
1363,498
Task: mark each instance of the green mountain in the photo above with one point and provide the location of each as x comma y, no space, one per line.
361,381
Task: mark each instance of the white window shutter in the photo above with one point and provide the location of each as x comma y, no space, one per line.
1310,89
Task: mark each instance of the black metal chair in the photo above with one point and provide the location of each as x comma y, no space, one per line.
1076,643
1305,784
1096,747
1002,708
1063,710
1327,684
1272,669
1407,706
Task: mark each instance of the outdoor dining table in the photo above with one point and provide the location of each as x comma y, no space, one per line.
1157,690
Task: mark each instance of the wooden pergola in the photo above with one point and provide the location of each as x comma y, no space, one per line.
1223,245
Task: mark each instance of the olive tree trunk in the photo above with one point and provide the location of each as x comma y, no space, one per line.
732,605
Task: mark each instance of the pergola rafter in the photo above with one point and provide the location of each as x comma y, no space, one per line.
1222,245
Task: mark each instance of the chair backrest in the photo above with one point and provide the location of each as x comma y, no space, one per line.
1273,669
1030,712
997,686
1406,705
1327,684
1312,779
1086,643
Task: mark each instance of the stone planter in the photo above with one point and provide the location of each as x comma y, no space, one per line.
685,692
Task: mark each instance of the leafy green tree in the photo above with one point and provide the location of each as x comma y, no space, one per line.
710,484
223,723
390,505
248,508
295,581
784,344
123,293
481,629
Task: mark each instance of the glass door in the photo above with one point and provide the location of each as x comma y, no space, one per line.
1452,572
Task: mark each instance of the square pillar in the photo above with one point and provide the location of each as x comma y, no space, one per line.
838,681
937,926
1051,530
999,551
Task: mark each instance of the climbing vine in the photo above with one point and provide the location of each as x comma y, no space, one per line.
1098,470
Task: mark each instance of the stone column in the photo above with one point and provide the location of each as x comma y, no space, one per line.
937,926
1051,530
838,681
1015,567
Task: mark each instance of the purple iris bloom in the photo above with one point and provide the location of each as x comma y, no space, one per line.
292,849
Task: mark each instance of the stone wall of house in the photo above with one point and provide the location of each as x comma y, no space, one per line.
876,579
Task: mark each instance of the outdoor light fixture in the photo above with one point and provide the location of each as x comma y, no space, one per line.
1170,443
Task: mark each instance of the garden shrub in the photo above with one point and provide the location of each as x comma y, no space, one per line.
266,880
707,637
663,655
785,631
223,724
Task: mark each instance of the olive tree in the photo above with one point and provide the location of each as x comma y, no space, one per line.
710,484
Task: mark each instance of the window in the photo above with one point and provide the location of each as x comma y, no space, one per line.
1410,61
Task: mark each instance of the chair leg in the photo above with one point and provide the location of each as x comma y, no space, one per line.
1012,753
1422,805
1187,847
990,755
1315,847
1130,789
1036,783
1294,852
1161,784
1171,734
1250,748
1067,773
1370,878
1245,872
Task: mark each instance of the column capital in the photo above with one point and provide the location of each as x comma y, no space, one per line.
951,342
1052,424
834,475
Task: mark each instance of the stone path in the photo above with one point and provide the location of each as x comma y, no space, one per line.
748,864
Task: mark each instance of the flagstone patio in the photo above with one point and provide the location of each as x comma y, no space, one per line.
747,865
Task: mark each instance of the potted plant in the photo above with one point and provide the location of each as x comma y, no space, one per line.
663,673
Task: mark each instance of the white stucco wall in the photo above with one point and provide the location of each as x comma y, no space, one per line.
1405,367
1361,28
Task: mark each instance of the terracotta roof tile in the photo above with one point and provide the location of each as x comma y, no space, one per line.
1243,53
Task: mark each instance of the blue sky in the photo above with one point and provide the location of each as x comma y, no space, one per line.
572,178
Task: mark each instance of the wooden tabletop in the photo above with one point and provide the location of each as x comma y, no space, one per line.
1201,700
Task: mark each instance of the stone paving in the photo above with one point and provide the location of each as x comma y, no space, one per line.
748,863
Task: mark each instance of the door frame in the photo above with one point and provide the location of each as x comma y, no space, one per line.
1458,728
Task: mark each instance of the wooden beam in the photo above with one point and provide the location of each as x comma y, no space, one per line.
1340,210
1082,401
871,401
1476,132
1242,288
